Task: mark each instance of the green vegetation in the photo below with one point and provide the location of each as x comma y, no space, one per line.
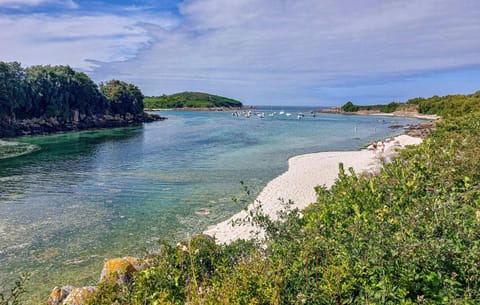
445,106
408,235
190,100
350,107
388,108
123,97
14,295
450,105
59,91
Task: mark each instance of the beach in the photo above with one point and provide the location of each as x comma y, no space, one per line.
304,173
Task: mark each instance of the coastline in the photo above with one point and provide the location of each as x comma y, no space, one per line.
213,109
398,113
53,125
304,173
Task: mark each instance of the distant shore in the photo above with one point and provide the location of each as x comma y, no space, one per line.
409,114
298,183
202,108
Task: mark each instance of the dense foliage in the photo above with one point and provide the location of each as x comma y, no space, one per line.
408,235
449,105
59,91
123,97
350,107
190,100
388,108
445,106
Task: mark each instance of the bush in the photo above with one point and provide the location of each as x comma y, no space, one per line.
350,107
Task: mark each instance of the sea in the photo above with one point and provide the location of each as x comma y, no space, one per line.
69,201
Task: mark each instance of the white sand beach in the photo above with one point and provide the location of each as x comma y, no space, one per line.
304,173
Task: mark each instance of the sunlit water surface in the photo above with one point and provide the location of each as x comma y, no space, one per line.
79,198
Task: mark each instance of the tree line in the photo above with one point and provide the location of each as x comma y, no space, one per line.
445,106
60,91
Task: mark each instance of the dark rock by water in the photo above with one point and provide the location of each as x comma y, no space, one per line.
41,126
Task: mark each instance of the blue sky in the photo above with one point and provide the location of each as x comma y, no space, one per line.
270,52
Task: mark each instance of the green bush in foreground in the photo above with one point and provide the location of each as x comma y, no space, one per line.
409,235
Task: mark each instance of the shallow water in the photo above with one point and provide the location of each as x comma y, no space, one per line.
83,197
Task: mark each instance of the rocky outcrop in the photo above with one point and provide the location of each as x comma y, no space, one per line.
121,270
115,271
69,295
421,130
39,126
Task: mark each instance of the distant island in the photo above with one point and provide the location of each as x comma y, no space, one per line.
191,100
48,99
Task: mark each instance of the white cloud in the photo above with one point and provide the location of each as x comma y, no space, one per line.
23,3
79,41
256,49
248,47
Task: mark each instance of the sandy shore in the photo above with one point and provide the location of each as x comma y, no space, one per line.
304,173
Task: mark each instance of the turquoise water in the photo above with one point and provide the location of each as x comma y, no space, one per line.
83,197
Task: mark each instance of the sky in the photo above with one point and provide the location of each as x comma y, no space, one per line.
261,52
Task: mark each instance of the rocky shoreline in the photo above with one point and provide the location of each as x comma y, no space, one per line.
116,270
43,126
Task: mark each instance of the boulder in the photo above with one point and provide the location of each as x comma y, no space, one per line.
121,270
58,295
78,296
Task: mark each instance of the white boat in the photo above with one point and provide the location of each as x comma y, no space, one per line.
300,115
281,112
288,114
261,115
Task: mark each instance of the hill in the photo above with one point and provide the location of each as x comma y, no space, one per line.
190,100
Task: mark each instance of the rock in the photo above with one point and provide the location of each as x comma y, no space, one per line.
43,125
129,116
78,296
58,295
121,270
421,130
76,116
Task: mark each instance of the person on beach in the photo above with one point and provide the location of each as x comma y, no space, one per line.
374,145
382,145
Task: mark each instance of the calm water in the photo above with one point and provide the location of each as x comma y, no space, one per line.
83,197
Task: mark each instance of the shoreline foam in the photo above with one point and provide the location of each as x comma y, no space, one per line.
304,173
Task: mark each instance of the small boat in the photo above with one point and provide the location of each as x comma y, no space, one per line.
281,112
271,114
288,114
261,115
300,115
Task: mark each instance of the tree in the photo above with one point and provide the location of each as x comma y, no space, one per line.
12,89
350,107
123,97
